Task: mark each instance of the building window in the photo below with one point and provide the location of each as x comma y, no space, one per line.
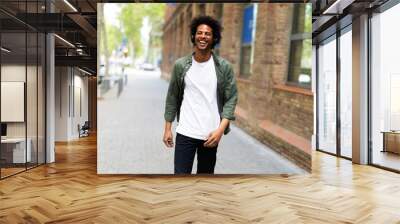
218,10
247,41
385,89
300,47
345,94
327,95
22,87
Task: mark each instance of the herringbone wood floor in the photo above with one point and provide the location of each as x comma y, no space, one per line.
69,191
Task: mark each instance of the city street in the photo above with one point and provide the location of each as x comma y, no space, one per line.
130,129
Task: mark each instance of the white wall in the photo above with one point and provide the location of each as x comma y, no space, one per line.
17,73
80,89
71,93
33,125
62,81
14,73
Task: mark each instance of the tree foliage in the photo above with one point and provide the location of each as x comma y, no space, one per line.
308,17
132,16
114,35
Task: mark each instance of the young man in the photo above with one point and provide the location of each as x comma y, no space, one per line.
202,94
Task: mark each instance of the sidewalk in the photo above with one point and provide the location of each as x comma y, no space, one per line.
130,130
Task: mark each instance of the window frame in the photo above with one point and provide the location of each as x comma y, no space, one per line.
251,45
297,37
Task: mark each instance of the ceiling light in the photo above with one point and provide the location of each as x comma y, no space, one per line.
64,40
70,5
337,7
5,49
333,6
86,72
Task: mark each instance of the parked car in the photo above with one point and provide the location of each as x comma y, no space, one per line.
147,67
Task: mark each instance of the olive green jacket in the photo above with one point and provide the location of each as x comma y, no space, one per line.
227,95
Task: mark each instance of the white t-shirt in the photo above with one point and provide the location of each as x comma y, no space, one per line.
199,114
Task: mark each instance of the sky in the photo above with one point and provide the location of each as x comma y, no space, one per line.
111,12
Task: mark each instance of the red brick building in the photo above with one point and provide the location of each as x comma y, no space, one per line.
269,46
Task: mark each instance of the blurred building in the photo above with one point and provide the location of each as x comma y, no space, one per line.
269,46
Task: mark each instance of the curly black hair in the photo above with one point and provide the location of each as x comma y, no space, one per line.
209,21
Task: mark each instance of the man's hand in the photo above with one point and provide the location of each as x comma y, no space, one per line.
213,138
168,139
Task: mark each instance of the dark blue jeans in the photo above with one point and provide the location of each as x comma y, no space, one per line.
185,150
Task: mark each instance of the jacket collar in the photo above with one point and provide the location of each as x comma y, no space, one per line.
188,58
217,62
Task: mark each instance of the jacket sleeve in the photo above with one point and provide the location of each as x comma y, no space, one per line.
171,102
230,95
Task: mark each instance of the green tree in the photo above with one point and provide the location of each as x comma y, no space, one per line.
114,35
308,17
131,18
103,39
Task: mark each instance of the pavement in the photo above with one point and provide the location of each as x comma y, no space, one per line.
130,130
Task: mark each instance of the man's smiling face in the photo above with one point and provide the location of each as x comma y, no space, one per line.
203,37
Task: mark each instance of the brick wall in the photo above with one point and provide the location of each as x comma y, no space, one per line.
279,115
